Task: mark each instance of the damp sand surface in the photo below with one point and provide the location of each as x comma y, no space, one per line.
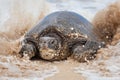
105,67
66,71
15,68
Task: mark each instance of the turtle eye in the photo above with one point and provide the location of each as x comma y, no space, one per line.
53,42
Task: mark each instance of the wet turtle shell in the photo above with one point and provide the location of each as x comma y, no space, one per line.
64,22
70,26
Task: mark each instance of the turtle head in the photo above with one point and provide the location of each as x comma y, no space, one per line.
27,49
49,47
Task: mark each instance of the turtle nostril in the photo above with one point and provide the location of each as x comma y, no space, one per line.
76,52
25,52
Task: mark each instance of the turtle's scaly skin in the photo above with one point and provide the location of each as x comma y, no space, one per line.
73,30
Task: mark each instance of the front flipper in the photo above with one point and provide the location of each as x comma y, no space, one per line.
27,50
86,52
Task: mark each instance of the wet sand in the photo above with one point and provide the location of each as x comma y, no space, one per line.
13,67
66,71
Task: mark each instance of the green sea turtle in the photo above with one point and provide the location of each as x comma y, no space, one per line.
60,35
